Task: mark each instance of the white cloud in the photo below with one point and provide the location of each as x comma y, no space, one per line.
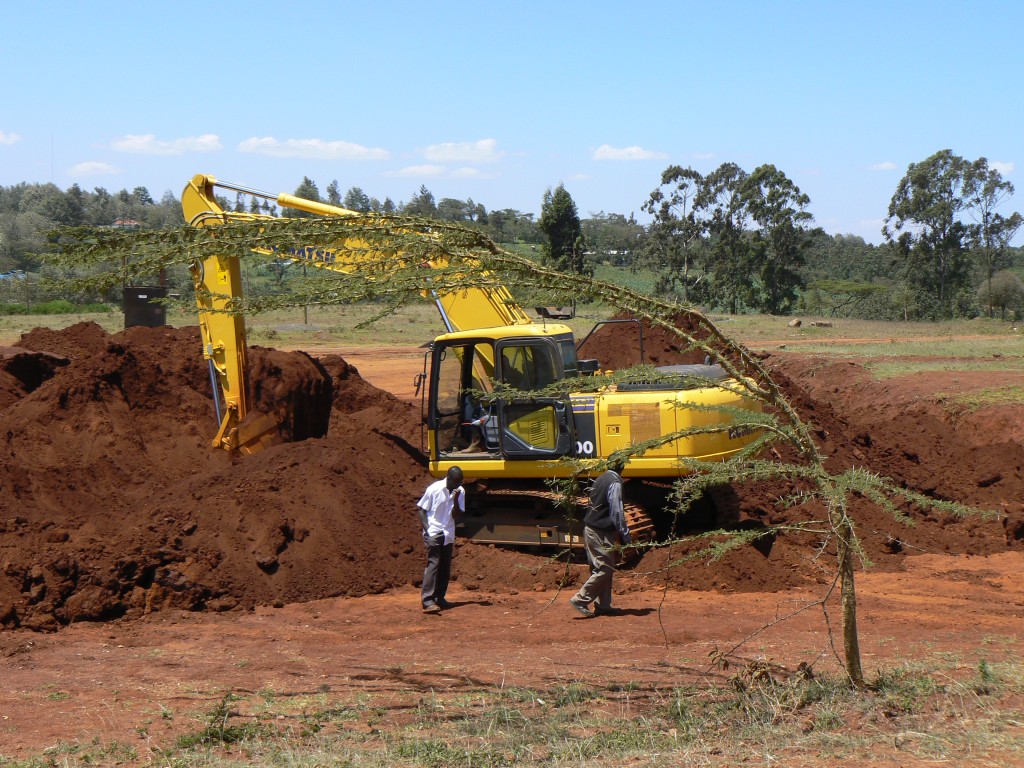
93,168
580,177
703,155
483,151
315,149
9,138
1003,168
148,144
607,152
886,165
419,170
469,173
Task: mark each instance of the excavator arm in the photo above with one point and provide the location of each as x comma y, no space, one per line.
218,289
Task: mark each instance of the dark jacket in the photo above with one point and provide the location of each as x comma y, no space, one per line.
605,512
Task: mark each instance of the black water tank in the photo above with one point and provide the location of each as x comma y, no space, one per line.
140,310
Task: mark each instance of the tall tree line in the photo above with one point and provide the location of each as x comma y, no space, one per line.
730,240
738,241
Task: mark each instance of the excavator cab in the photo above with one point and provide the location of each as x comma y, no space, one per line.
468,377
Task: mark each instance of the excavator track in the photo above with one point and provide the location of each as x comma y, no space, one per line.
640,523
534,517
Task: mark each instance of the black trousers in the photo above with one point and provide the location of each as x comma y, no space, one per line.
438,571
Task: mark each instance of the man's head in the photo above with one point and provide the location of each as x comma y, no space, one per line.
616,464
454,478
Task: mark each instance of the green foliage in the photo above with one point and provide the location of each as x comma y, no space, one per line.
421,205
560,223
612,238
217,730
942,207
1002,293
729,239
905,690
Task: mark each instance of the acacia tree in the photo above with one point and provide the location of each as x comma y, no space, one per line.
925,224
395,277
560,222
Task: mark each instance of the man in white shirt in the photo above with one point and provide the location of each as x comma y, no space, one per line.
441,503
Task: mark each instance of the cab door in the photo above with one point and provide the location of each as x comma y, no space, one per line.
531,426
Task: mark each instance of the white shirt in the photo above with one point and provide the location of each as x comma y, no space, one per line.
437,502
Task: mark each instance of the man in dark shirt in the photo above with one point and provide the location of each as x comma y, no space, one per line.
604,528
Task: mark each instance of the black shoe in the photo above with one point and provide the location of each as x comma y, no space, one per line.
599,611
444,604
581,608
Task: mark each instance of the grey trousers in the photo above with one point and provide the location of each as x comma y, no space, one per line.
438,571
600,547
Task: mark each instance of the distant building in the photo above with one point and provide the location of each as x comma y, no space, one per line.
127,224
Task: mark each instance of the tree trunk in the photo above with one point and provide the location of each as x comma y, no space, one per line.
848,592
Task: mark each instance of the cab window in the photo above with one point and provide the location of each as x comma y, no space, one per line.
528,366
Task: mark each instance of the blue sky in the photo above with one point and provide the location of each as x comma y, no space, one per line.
499,101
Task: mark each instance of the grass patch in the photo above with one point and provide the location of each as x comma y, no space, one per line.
1007,347
983,398
219,731
937,708
895,368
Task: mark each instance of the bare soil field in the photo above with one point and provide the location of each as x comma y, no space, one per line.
145,577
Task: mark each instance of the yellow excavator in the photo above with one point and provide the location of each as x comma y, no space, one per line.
507,445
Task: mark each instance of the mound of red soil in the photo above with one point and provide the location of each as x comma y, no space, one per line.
114,504
897,429
624,342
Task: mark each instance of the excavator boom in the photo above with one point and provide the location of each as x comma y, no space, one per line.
219,290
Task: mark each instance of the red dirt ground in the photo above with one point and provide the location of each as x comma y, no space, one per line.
135,559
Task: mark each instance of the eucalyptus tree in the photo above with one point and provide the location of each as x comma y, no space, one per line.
722,208
451,209
674,235
925,223
777,209
991,233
